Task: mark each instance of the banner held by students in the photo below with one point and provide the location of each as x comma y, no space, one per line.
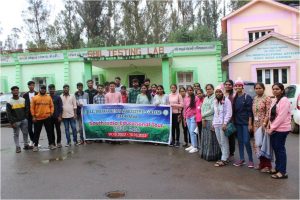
131,122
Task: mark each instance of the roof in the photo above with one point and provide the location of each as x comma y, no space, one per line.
260,40
251,3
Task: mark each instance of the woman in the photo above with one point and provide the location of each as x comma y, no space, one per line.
242,113
176,103
144,97
279,127
187,140
153,90
200,95
222,116
229,93
189,114
160,98
260,108
210,149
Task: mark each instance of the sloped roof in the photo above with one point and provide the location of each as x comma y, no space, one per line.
260,40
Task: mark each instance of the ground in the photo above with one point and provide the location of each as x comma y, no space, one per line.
140,170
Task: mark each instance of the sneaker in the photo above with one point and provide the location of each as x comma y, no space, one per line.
68,145
250,165
27,147
76,143
35,149
193,150
18,149
177,144
52,147
185,145
239,163
171,144
31,143
189,148
59,145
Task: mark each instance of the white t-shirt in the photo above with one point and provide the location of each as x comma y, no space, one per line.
31,94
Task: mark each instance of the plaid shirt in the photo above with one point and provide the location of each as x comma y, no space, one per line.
99,99
133,93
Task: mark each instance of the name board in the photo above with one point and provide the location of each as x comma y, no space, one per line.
7,59
41,57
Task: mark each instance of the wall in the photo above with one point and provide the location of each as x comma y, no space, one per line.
8,79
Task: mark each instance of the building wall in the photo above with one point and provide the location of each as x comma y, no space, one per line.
258,17
8,79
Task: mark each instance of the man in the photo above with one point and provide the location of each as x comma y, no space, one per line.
124,94
113,96
100,97
197,86
41,110
118,84
17,110
57,115
28,97
82,98
134,92
91,91
147,83
69,114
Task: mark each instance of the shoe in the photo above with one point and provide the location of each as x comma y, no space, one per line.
76,143
177,144
189,148
35,149
59,145
185,145
27,147
31,143
68,145
250,165
39,145
239,163
82,142
171,144
18,149
52,147
193,150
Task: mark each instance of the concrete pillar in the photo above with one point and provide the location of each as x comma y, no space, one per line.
166,74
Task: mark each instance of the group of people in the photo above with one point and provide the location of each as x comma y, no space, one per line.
205,117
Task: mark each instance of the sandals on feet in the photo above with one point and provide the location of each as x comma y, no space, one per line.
279,176
265,170
273,171
220,163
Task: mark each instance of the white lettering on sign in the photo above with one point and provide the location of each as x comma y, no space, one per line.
41,57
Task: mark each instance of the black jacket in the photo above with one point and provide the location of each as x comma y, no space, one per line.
27,101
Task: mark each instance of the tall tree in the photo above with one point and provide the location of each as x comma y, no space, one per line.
211,15
11,43
234,4
36,18
186,12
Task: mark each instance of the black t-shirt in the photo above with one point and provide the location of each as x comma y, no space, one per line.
91,93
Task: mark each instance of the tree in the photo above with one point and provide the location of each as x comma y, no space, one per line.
199,34
186,12
11,43
211,15
36,18
234,4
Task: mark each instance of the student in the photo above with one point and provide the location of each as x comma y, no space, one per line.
91,91
242,113
176,102
279,127
160,98
69,114
124,94
143,97
189,114
153,90
210,149
42,109
196,87
200,95
133,92
28,98
56,118
222,116
100,97
17,110
106,87
187,140
147,83
118,84
82,98
113,96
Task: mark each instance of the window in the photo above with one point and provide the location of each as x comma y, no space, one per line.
39,81
271,76
96,80
185,79
254,35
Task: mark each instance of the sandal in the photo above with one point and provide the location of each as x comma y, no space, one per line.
265,170
220,163
273,171
279,176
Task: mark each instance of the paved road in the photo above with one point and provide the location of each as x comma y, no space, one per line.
140,170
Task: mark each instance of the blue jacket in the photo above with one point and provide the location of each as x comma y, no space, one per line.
242,109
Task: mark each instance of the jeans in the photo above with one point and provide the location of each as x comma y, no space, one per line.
38,125
56,124
223,143
23,125
278,144
191,124
79,119
175,128
244,140
30,128
72,122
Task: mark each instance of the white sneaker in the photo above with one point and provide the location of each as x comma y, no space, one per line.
31,143
193,150
189,148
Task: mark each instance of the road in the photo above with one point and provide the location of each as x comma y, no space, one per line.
136,169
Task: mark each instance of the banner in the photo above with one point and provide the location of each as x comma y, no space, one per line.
131,122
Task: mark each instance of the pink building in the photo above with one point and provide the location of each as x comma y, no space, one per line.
263,43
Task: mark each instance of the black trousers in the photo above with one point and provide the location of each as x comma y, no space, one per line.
232,144
38,125
186,137
56,124
175,128
199,124
30,128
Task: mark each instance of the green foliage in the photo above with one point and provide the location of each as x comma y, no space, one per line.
199,34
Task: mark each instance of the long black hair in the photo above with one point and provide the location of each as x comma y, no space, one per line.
162,87
192,96
273,109
231,82
147,93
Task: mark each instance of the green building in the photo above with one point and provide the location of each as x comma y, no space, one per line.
180,63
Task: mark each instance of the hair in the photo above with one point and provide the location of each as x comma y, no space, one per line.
182,88
153,85
260,84
200,91
123,87
90,80
112,83
162,87
43,87
192,96
14,87
118,78
100,85
79,84
147,80
51,86
197,84
174,86
211,85
147,93
135,80
66,85
273,109
106,83
231,82
30,82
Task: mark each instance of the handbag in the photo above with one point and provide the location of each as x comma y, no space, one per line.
230,129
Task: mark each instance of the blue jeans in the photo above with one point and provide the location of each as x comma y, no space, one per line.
72,122
191,124
243,136
278,144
